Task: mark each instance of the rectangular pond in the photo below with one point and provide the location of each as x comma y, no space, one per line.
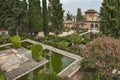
57,63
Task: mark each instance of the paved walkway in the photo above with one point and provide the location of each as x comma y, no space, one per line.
66,33
25,67
71,69
85,32
60,35
68,71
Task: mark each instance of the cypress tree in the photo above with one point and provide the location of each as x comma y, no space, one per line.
79,16
11,14
56,15
45,18
109,14
69,16
35,16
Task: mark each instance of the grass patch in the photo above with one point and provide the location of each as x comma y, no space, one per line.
5,47
27,45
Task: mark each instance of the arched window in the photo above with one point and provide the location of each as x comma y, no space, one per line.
91,26
96,25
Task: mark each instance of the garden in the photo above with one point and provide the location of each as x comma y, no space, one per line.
102,59
73,43
37,53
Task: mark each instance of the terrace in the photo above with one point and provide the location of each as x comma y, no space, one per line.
18,62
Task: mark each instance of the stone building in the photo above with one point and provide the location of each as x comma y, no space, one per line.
92,20
69,23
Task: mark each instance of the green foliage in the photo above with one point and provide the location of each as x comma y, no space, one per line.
15,40
45,18
76,38
56,15
35,16
99,76
110,18
37,51
69,16
2,77
104,52
27,45
5,39
87,65
62,44
94,76
49,76
79,16
12,15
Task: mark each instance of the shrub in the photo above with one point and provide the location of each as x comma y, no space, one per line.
94,76
105,52
2,77
4,39
76,38
99,76
37,51
85,41
62,45
49,76
87,65
16,41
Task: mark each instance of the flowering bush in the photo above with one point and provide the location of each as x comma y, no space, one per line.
104,52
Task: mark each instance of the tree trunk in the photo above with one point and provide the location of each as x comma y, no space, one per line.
17,33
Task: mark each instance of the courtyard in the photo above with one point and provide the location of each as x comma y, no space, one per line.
18,62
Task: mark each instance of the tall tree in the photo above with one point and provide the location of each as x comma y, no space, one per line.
1,13
45,18
69,16
11,14
56,15
79,16
35,16
24,4
110,17
24,22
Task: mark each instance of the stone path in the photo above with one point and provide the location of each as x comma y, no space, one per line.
85,32
25,67
71,69
68,71
66,33
40,34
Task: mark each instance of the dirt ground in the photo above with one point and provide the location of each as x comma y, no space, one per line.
78,76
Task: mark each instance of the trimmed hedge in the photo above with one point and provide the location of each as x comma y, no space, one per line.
37,51
15,40
2,77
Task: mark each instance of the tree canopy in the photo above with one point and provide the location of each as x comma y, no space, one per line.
79,16
69,16
12,15
35,16
45,18
56,15
110,18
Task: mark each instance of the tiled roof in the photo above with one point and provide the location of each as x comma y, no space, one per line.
68,21
91,11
